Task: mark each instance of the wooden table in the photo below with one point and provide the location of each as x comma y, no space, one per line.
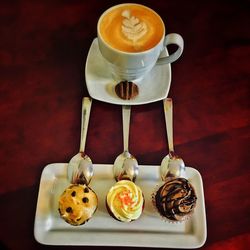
43,48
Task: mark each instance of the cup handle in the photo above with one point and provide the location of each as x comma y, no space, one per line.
172,38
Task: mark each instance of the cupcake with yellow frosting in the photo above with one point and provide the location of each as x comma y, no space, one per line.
125,201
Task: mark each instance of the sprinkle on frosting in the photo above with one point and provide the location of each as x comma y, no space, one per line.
125,201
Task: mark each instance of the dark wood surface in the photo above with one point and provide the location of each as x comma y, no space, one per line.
43,48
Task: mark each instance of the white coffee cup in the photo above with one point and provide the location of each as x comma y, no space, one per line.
134,65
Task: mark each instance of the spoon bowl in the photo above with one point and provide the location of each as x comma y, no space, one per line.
172,165
125,165
80,168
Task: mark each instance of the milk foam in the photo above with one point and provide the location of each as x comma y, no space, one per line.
132,28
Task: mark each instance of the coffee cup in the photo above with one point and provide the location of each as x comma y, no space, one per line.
131,39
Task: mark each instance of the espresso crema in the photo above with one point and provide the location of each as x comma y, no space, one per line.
131,28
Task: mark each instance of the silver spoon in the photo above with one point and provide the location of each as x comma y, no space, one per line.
172,165
125,165
80,168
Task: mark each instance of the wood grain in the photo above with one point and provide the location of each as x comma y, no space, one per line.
43,48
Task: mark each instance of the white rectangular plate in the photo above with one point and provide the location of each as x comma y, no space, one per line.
150,230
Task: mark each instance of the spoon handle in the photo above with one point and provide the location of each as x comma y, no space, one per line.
126,110
168,112
86,107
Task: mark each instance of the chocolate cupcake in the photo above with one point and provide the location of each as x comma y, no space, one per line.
175,200
125,201
77,204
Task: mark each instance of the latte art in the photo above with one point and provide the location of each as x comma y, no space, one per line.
132,27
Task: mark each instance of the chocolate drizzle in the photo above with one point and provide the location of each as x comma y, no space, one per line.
176,199
126,90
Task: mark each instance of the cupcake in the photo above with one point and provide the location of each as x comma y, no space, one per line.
77,204
125,201
175,200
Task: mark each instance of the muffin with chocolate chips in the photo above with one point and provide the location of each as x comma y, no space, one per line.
77,204
175,200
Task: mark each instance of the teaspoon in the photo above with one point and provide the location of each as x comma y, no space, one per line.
172,165
80,168
125,165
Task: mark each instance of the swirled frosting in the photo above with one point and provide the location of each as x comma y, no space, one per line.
176,199
125,201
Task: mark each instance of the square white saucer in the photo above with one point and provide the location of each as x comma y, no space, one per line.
154,87
102,230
